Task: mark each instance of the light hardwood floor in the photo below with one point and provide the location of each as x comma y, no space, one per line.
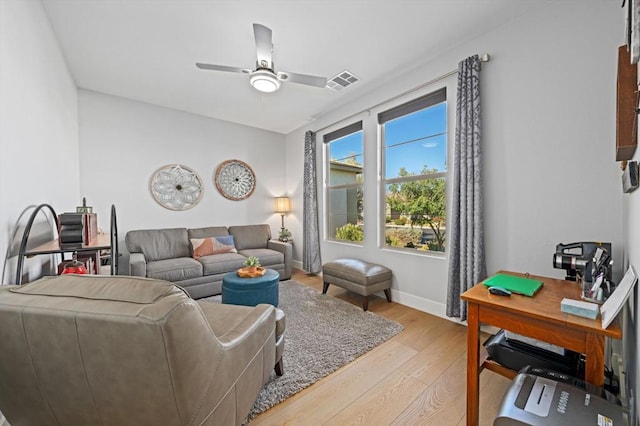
418,377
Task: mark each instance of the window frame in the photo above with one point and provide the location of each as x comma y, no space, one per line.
430,99
327,139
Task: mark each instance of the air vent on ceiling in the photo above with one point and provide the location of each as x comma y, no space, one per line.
342,80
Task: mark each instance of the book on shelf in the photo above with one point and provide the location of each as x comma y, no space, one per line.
71,234
90,227
91,259
71,219
77,229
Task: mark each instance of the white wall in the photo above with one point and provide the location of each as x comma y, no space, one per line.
548,98
125,142
38,126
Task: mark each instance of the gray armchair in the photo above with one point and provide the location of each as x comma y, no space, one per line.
81,350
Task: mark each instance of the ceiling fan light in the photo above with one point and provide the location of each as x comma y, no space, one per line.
264,81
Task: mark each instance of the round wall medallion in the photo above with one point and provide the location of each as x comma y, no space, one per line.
235,179
176,187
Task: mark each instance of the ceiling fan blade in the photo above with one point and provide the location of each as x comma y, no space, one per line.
309,80
264,46
222,68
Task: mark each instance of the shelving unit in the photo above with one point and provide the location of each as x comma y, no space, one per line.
101,242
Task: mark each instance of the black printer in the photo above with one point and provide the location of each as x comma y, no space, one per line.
516,352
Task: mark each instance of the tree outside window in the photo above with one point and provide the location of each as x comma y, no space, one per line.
417,204
414,152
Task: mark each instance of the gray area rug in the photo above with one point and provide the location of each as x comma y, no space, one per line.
323,334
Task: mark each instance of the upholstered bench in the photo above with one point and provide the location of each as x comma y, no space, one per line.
358,276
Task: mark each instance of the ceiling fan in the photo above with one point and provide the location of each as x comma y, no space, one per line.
264,78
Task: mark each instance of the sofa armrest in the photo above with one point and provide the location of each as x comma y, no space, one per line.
287,250
247,335
137,265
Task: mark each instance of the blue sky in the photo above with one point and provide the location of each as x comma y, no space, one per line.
412,141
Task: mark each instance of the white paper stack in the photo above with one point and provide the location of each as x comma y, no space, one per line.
580,308
618,298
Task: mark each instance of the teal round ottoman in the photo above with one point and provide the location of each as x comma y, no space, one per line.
250,291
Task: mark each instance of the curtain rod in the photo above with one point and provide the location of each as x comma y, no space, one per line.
483,58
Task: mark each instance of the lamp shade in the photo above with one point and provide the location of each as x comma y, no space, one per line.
282,205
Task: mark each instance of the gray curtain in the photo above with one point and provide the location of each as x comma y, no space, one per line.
466,245
311,262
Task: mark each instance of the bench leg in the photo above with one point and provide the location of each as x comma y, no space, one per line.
365,303
387,292
325,287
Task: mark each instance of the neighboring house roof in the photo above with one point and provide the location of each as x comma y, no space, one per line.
337,165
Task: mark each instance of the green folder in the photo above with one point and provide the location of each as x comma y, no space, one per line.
515,284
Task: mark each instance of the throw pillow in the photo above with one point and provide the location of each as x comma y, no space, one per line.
212,245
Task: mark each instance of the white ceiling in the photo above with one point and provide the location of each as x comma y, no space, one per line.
146,49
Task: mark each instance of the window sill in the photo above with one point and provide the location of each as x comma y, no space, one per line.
344,243
413,252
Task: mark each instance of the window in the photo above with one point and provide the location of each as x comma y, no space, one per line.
414,152
344,183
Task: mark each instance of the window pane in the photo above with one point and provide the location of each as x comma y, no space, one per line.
415,214
344,203
416,143
345,220
345,160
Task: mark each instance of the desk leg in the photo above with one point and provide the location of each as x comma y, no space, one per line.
473,358
594,368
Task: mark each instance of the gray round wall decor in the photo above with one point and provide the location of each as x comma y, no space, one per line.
235,179
176,187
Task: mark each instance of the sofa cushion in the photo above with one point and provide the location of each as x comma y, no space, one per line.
250,236
212,245
267,257
210,231
159,244
221,263
178,269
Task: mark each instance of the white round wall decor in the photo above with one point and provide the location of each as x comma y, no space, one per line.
235,179
176,187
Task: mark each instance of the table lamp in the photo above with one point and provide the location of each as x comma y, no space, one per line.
283,205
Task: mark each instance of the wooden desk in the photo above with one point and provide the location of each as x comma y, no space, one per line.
539,317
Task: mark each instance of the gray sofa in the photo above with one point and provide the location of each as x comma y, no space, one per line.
167,254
